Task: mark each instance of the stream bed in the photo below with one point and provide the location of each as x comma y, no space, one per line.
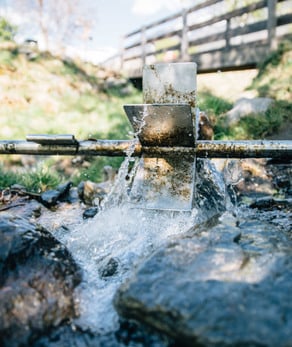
219,276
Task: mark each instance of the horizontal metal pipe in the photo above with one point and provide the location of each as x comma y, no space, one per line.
122,148
230,149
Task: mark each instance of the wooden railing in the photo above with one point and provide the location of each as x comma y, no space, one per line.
211,33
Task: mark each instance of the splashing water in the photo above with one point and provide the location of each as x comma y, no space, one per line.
109,247
114,242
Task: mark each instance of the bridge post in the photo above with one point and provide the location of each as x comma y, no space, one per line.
227,34
143,45
184,47
272,24
122,52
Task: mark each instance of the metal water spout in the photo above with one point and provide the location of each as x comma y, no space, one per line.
167,119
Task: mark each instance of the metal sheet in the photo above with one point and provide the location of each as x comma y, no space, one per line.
164,183
168,125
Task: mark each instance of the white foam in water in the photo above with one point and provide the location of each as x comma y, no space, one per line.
125,234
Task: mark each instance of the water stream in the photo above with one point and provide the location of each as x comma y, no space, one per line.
109,247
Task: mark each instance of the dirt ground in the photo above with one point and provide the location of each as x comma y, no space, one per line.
229,85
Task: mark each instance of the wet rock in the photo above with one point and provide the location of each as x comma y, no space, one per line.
72,196
18,188
24,207
206,131
247,179
72,336
133,334
37,280
129,334
51,197
109,269
92,193
224,286
271,203
281,173
90,212
64,190
210,194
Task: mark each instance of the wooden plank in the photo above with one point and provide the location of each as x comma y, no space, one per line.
174,16
237,56
203,5
221,58
229,15
251,28
248,29
155,38
284,19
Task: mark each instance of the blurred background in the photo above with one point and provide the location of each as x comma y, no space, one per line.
69,67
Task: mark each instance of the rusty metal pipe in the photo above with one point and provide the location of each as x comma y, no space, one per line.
122,148
230,149
114,148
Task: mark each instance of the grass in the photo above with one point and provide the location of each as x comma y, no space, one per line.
255,126
52,96
36,180
274,78
213,105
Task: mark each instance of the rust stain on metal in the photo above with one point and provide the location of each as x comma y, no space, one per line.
171,95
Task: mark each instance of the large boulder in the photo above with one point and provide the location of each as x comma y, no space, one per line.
37,281
221,286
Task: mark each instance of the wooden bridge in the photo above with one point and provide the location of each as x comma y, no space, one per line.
212,34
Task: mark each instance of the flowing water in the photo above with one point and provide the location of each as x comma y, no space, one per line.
109,247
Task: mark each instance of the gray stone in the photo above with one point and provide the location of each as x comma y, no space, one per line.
109,269
246,106
90,212
224,286
50,197
64,190
37,281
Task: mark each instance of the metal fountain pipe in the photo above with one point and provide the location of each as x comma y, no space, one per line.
121,148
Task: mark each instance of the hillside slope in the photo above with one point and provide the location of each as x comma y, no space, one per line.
49,95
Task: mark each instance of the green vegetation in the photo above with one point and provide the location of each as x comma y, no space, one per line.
7,30
255,126
274,80
37,179
213,105
54,96
275,74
